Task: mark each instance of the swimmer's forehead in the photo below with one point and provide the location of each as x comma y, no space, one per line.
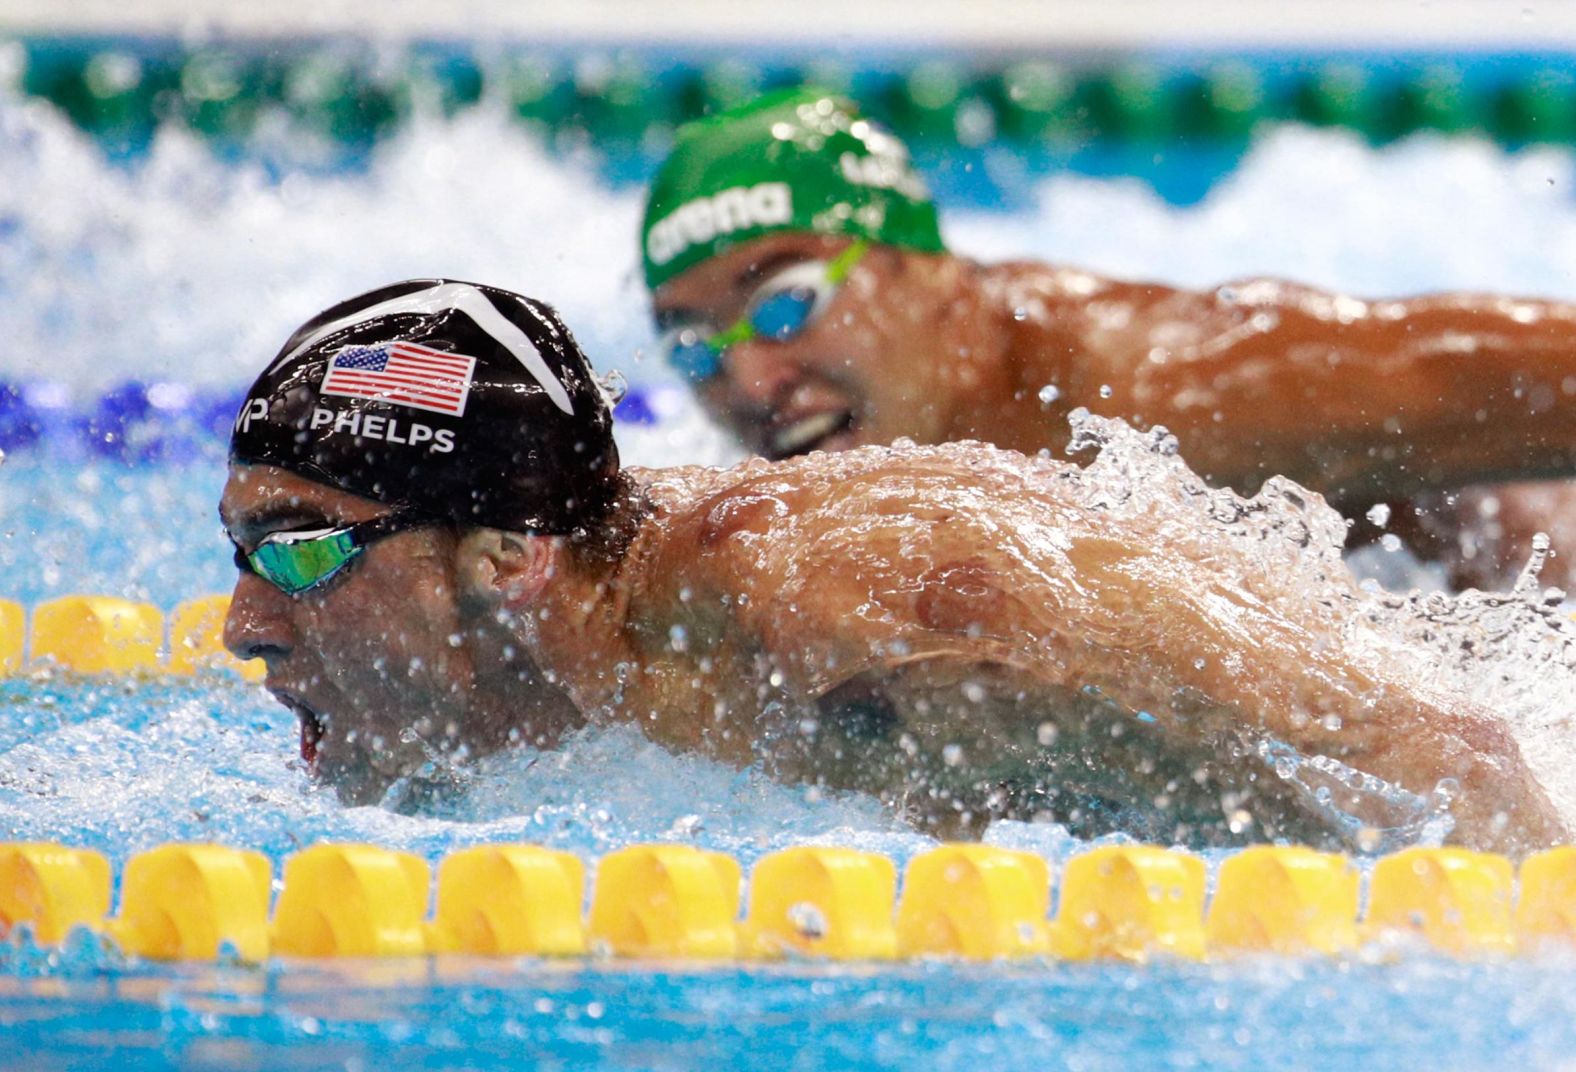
729,277
259,499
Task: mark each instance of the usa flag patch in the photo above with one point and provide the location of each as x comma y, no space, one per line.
404,374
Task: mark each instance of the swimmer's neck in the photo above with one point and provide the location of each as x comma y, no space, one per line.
1013,328
575,633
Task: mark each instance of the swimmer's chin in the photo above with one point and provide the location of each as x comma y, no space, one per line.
362,779
355,783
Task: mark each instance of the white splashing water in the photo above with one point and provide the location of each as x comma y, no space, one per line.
186,267
1324,208
1512,655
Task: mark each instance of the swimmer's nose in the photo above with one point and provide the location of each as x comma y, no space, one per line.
760,373
258,624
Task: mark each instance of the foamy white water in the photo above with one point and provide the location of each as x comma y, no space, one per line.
1320,207
182,266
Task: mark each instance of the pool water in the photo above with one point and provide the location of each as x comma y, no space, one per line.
178,266
1421,1013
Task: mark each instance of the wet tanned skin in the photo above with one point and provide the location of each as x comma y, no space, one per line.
1362,401
950,629
917,573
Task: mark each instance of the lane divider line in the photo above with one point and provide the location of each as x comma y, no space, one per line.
1134,903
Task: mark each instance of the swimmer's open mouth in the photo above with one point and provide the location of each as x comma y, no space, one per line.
311,728
805,434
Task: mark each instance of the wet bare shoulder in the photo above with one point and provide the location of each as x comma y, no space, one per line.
730,518
844,561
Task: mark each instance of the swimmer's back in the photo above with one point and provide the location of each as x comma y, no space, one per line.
912,553
887,563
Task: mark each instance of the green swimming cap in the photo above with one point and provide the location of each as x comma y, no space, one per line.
800,160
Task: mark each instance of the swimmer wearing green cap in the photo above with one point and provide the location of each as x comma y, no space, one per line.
801,286
440,556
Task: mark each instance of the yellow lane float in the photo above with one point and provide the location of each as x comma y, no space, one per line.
975,902
1284,899
97,634
821,902
1131,902
665,901
51,889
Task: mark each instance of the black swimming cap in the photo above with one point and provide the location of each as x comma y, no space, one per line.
461,401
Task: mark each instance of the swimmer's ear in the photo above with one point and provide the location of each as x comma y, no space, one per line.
507,570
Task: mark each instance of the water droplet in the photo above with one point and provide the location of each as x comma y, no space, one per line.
614,386
808,920
952,755
1047,733
1105,390
1049,393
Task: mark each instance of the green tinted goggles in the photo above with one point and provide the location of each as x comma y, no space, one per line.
300,560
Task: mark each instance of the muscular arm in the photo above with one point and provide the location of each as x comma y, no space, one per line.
882,565
1358,400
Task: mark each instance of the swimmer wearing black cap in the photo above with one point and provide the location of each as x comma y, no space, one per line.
800,281
440,556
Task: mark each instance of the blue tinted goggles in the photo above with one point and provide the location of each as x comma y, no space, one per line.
782,308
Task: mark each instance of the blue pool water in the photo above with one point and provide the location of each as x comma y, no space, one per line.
181,267
1422,1013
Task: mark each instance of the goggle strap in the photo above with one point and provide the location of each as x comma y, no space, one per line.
741,331
838,267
